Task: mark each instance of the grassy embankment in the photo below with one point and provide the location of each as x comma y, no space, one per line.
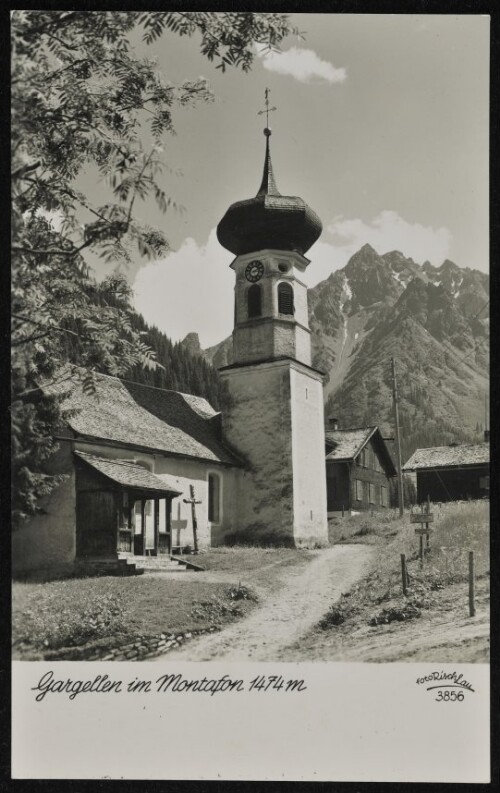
376,622
107,611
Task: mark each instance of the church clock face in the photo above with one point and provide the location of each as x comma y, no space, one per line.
254,271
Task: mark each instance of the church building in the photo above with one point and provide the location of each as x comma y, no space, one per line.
140,465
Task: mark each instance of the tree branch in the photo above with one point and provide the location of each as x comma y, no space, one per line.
24,169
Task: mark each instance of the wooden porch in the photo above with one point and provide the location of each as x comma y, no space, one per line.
113,498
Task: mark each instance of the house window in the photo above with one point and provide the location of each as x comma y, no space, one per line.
383,495
214,498
285,299
254,301
359,490
371,493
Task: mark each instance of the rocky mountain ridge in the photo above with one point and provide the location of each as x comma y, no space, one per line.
433,320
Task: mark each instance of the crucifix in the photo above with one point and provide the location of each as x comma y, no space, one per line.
177,525
268,109
193,503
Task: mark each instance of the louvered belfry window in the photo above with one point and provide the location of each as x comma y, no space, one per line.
254,298
285,299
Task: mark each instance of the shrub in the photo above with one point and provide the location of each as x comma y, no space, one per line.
409,611
336,614
215,610
241,593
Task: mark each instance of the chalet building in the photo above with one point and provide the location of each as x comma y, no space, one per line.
450,473
131,454
359,467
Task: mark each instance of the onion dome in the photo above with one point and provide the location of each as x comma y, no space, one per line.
269,220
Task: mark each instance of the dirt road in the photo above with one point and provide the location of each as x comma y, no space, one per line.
286,615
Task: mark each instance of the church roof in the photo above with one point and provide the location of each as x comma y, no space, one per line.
142,416
269,220
449,456
127,474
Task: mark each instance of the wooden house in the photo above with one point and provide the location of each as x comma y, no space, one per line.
450,473
359,467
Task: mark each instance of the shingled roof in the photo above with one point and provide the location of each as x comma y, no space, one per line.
127,474
144,417
347,443
449,456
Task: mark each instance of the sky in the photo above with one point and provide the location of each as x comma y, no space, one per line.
381,127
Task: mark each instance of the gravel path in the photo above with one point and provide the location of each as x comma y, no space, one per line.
286,615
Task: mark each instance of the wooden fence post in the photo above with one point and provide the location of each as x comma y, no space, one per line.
404,577
472,606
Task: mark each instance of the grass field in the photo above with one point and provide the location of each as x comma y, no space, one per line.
375,621
75,612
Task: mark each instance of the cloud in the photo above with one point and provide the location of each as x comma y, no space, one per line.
388,231
191,289
303,65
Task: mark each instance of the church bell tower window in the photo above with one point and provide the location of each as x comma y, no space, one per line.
285,299
254,301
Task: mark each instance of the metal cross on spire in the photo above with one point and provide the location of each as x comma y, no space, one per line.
266,111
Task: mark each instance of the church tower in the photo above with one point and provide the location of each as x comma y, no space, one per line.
275,417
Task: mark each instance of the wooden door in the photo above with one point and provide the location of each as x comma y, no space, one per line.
96,523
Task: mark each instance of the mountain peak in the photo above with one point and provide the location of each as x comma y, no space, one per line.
367,248
191,342
365,255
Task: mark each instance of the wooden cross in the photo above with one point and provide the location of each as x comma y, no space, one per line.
267,109
193,502
178,525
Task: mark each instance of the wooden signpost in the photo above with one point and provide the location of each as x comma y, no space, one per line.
472,605
423,518
193,503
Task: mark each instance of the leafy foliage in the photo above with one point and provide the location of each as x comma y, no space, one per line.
82,101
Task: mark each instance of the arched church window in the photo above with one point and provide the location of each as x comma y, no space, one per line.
254,298
285,299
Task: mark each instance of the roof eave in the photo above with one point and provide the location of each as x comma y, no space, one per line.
150,450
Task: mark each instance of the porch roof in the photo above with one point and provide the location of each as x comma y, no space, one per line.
128,474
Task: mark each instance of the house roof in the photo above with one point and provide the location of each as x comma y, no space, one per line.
143,416
127,474
449,456
348,443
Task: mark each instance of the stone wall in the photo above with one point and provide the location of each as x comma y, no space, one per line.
258,425
139,649
276,421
